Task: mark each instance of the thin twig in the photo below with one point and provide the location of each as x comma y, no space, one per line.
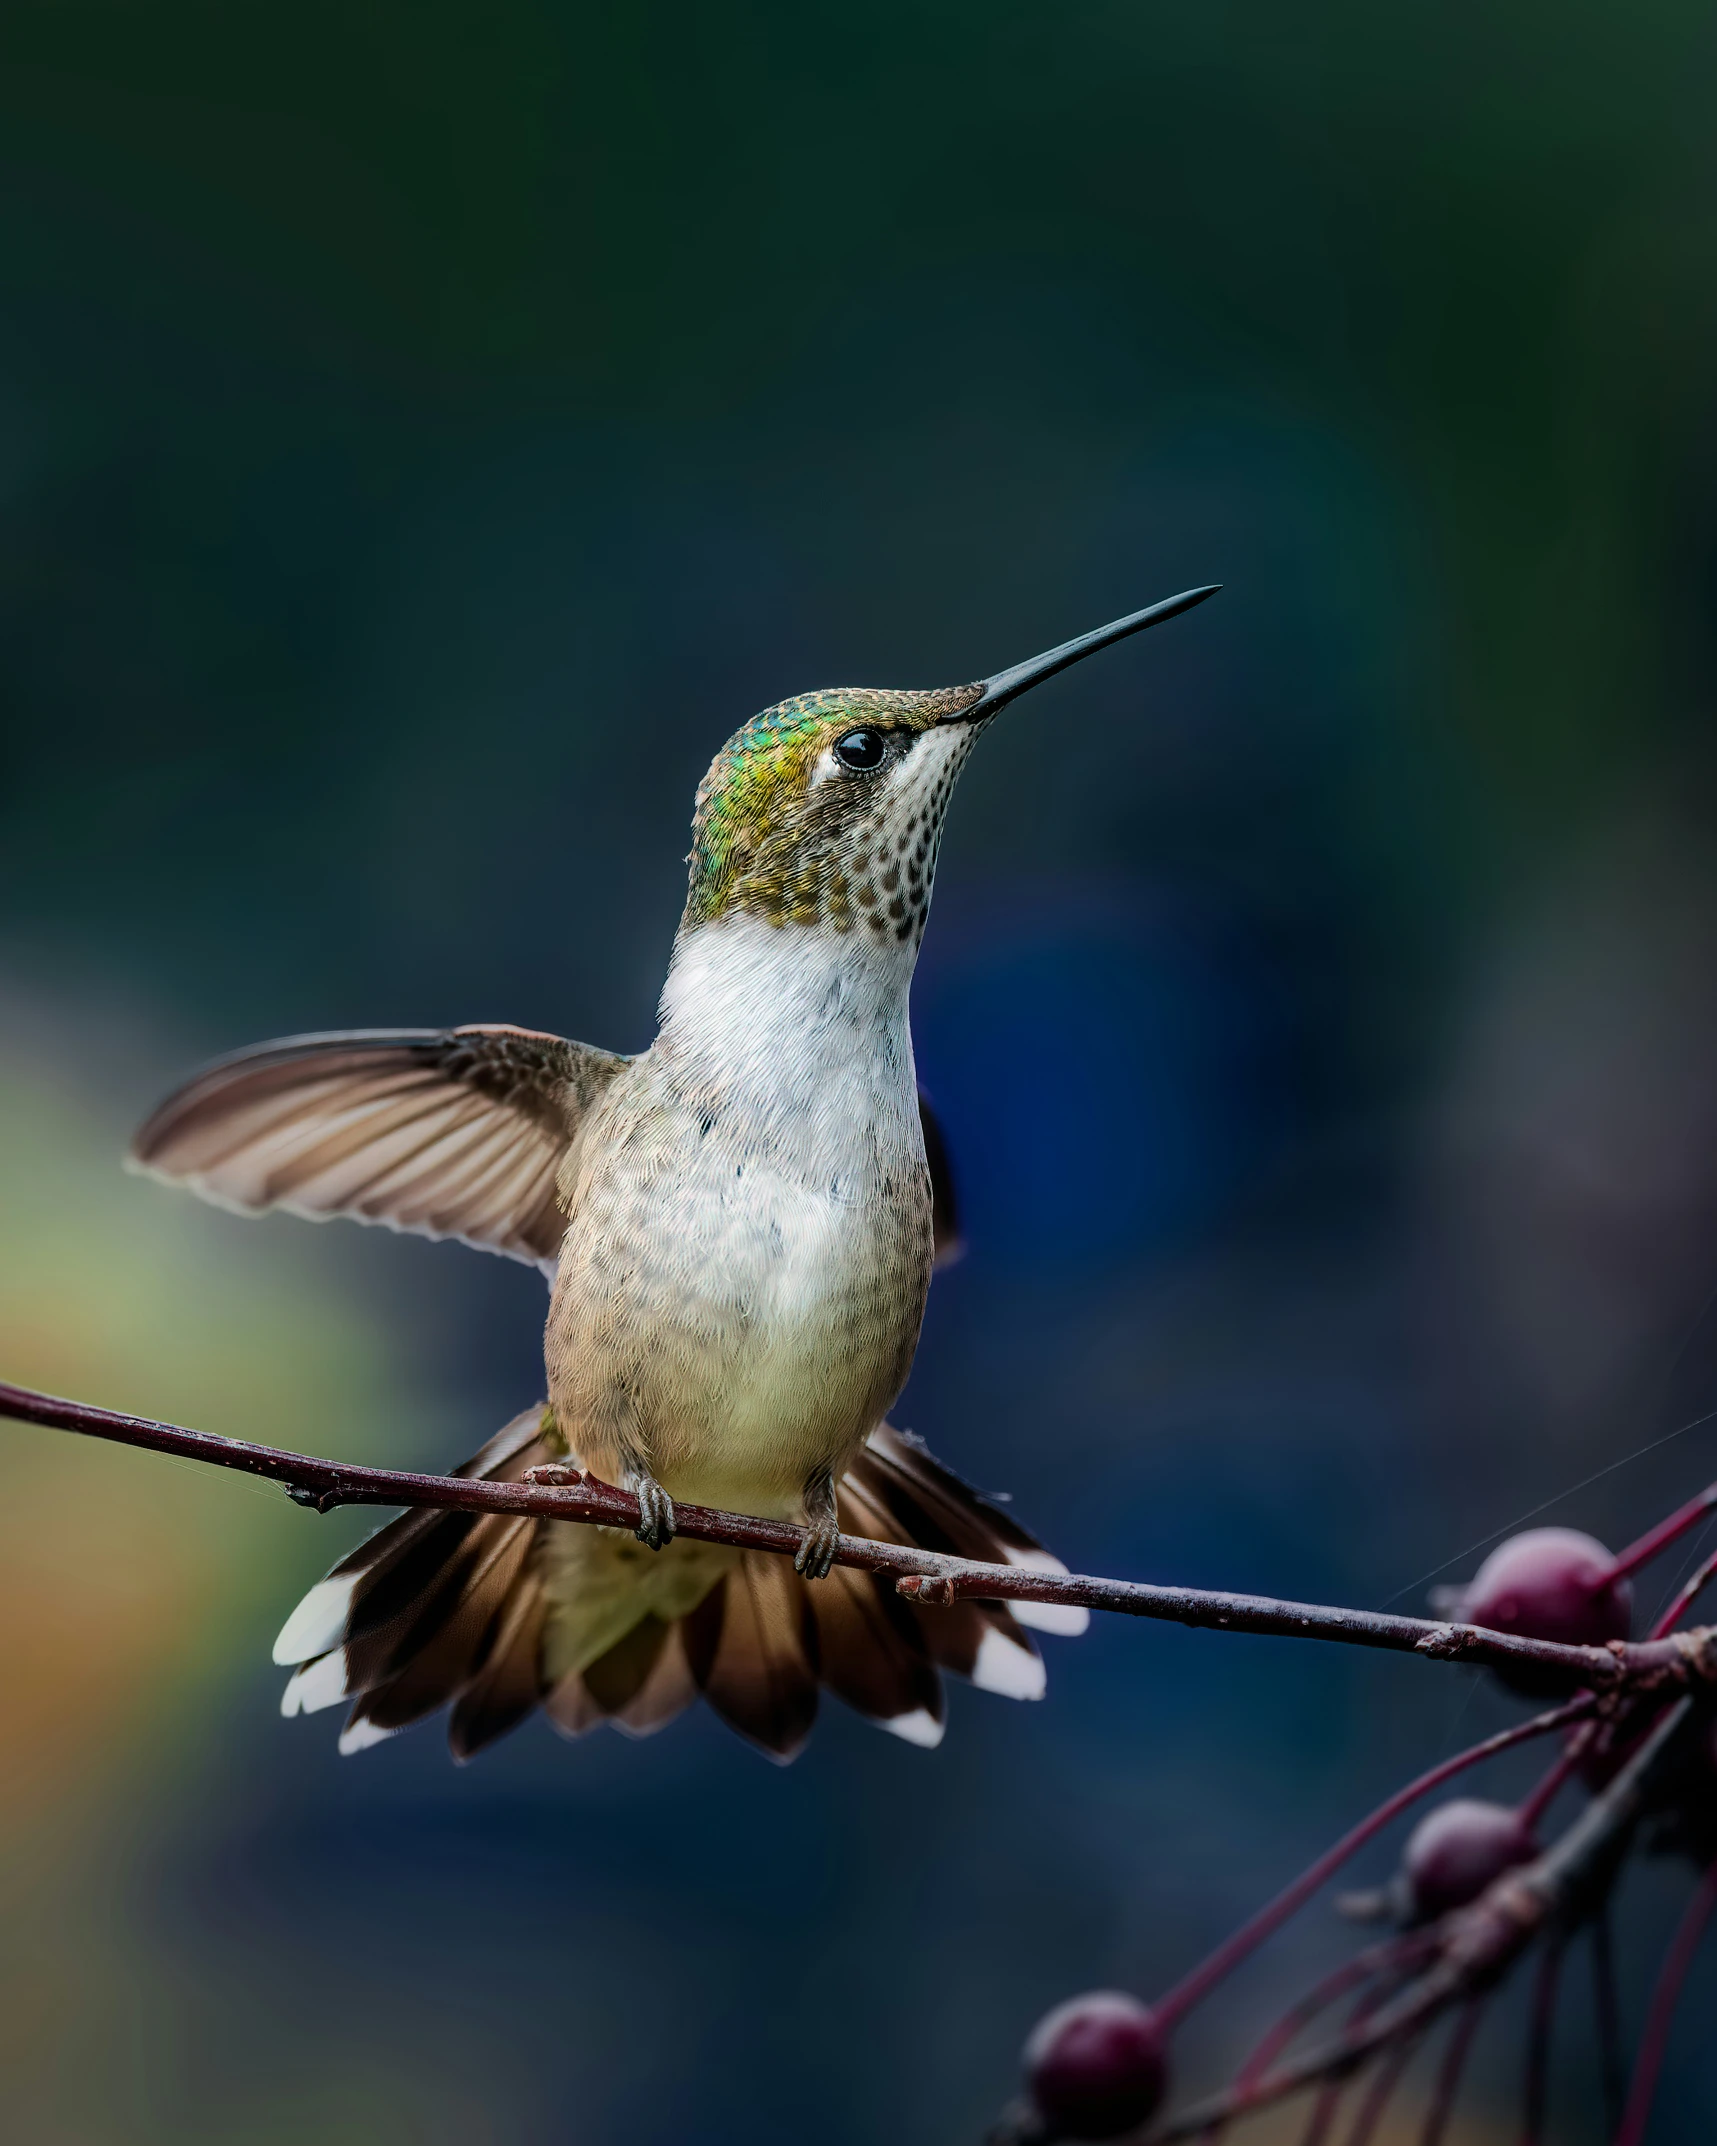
1322,2116
1654,2037
1536,2096
1534,1805
1686,1596
1195,1986
1381,2091
1679,1661
1320,2120
1402,1950
1658,1539
1479,1943
1449,2072
1607,2017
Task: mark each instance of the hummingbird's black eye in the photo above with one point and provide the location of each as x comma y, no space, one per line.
861,750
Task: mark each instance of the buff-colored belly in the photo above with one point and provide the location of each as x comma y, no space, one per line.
728,1321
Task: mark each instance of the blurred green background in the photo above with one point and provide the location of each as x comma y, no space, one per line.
425,433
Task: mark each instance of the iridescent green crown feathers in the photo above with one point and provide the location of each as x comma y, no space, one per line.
765,839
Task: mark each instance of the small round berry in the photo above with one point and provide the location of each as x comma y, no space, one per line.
1459,1849
1550,1583
860,750
1095,2066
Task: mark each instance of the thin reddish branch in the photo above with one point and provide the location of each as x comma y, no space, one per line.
1403,1950
1325,2111
1536,2093
1654,2037
1448,2085
1685,1598
1682,1660
1381,2092
1533,1806
1607,2016
1658,1539
1478,1944
1192,1988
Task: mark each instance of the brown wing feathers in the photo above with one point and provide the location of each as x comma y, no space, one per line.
447,1132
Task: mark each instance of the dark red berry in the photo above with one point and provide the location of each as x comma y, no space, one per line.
1459,1849
1550,1583
1095,2066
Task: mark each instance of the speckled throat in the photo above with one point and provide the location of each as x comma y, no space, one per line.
774,837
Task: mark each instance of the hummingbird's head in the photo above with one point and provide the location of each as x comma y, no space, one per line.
827,810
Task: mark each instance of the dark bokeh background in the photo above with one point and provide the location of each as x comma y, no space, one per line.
425,432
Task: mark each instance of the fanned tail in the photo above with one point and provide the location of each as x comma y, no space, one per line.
496,1616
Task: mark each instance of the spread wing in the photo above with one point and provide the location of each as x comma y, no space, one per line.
456,1132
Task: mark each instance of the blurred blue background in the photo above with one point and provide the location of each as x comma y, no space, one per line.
425,433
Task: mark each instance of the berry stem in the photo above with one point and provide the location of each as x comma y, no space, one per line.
1534,1805
1396,1952
1442,2105
1654,2040
1321,2118
1381,2092
1195,1986
1478,1945
1659,1538
1537,2094
1607,2017
1686,1597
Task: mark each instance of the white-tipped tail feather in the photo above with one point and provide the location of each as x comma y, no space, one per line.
360,1735
317,1624
1013,1671
318,1684
918,1727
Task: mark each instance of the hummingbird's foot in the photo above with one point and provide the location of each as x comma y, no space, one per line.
655,1527
816,1554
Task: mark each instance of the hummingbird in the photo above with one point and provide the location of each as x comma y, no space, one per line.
738,1225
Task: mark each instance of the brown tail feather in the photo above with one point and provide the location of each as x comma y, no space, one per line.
451,1609
872,1653
480,1567
424,1682
409,1686
570,1708
621,1674
981,1641
668,1690
639,1685
975,1526
509,1684
752,1643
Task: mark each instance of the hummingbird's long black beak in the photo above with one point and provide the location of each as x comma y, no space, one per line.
1010,684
